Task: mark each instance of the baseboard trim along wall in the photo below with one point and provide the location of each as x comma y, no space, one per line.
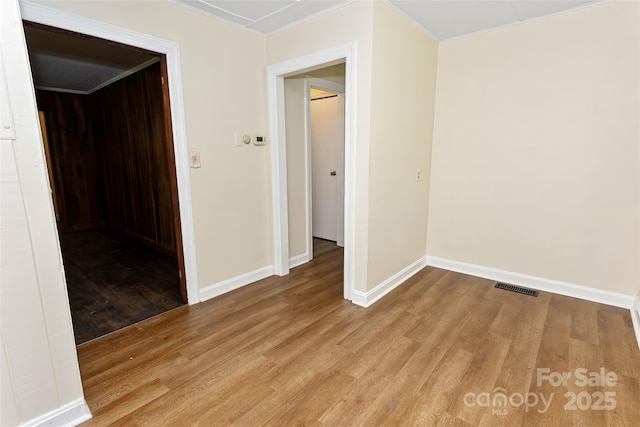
538,283
298,260
71,414
235,283
365,299
635,317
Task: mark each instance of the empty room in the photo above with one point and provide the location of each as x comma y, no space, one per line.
458,245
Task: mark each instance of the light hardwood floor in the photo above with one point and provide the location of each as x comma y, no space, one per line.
290,351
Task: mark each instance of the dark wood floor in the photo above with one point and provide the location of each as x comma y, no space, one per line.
113,282
290,351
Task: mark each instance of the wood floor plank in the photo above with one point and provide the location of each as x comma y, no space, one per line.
113,282
290,351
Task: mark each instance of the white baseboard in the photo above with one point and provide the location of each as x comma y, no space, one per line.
365,299
541,284
298,260
635,317
71,414
235,283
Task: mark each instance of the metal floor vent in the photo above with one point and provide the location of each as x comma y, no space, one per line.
517,289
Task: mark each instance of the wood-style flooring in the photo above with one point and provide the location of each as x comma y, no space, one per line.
434,352
113,282
322,246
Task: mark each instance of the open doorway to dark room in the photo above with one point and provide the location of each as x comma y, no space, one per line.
104,111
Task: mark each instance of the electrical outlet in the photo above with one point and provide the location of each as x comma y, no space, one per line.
417,175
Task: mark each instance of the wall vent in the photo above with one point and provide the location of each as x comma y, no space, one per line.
517,289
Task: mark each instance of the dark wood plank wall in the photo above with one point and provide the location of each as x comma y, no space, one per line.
75,170
129,130
110,164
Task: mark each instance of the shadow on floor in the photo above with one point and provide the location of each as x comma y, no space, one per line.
113,282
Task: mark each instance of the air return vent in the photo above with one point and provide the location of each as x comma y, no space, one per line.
517,289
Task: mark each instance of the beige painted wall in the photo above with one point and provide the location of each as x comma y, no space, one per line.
296,177
403,96
536,152
39,367
350,23
294,88
224,93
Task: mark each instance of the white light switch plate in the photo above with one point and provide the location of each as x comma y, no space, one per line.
194,159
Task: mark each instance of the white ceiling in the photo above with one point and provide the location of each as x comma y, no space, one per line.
69,63
262,16
449,19
443,19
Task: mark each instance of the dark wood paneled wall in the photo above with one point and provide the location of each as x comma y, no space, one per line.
74,167
129,131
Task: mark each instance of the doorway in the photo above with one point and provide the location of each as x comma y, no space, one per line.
104,111
279,155
325,143
314,112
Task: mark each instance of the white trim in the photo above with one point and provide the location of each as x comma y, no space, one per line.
71,414
365,299
635,318
61,90
308,169
56,18
299,260
539,283
313,82
235,283
275,86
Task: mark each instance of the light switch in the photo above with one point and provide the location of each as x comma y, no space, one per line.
195,159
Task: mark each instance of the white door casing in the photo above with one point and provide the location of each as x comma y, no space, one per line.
275,88
67,21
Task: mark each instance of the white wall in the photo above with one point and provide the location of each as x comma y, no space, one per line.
402,111
223,72
39,367
536,150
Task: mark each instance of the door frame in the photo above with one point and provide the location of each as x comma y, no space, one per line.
67,21
275,89
318,83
